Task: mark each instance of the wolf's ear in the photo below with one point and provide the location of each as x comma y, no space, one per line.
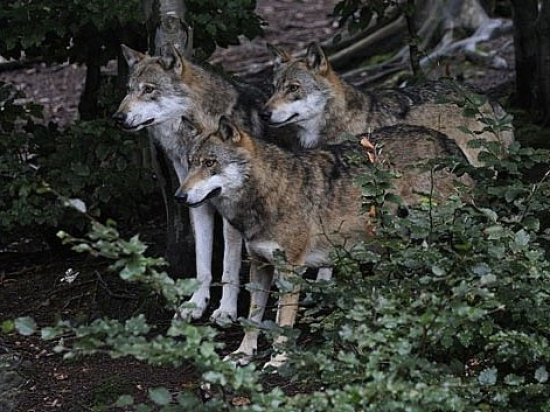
227,130
316,59
188,128
172,59
131,56
280,56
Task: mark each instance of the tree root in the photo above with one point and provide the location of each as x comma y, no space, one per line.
454,18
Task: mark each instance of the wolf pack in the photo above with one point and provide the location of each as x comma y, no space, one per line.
280,168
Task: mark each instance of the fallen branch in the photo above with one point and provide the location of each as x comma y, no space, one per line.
382,40
490,30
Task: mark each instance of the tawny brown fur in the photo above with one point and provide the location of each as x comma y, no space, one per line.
304,204
309,94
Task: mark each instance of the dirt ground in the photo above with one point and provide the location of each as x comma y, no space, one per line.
31,284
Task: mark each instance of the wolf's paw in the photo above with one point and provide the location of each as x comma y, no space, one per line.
238,359
195,307
276,362
246,350
243,355
222,316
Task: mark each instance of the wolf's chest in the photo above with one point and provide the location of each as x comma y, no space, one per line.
274,253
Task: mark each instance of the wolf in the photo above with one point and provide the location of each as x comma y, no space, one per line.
161,90
309,94
302,205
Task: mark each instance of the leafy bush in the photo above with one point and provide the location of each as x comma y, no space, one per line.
448,313
453,313
91,160
57,31
221,22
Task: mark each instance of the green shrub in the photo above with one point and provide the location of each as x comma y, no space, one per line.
60,31
450,314
90,160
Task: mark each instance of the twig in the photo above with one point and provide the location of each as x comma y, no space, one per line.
112,294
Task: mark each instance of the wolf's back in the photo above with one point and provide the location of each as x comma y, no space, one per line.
451,109
406,150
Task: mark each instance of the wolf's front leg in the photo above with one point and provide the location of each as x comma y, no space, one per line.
227,312
202,220
324,274
261,277
286,315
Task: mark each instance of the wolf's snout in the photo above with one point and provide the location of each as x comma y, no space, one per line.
265,115
181,196
119,117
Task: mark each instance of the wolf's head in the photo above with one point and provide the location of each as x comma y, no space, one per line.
218,163
302,88
157,89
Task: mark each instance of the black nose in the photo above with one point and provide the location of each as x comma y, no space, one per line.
181,196
265,115
119,117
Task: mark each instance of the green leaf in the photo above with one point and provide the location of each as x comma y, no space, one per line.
541,374
470,112
514,380
481,269
49,333
393,198
43,189
488,377
78,204
522,238
25,325
464,129
494,231
124,400
82,247
215,377
160,396
8,326
512,193
531,223
438,270
488,279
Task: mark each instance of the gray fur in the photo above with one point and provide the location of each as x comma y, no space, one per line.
311,96
304,204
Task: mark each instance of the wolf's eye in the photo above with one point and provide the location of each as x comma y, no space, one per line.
209,162
293,88
148,89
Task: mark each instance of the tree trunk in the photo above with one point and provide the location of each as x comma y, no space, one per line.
543,59
165,24
524,15
414,52
87,106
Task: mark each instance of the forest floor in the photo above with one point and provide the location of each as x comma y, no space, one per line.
32,283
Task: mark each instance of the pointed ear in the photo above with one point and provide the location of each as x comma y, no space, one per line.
227,131
316,59
188,128
172,59
280,56
131,56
